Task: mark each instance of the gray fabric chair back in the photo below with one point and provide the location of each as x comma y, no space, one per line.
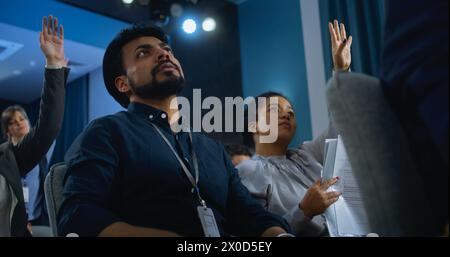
53,188
392,191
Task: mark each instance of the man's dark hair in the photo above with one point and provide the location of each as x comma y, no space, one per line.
113,62
235,149
247,135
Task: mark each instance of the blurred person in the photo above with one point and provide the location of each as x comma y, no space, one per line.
414,77
25,146
16,126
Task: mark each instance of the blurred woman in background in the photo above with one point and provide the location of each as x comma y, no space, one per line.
25,146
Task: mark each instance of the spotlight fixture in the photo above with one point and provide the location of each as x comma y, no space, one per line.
127,1
209,24
189,26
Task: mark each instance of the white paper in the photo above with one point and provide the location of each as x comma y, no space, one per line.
346,217
327,173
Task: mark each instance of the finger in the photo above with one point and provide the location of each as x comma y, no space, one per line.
44,25
343,31
329,183
332,33
331,201
336,28
50,25
325,185
349,41
61,32
333,194
318,182
55,26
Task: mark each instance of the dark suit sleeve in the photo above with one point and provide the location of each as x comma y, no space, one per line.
245,215
35,144
93,161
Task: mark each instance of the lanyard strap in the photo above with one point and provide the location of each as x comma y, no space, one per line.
193,181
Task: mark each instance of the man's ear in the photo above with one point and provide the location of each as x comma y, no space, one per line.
122,84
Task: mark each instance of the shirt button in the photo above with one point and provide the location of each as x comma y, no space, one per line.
150,116
163,115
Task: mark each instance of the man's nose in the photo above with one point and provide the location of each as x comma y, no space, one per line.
163,55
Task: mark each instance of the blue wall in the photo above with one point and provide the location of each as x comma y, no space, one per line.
272,55
101,103
85,27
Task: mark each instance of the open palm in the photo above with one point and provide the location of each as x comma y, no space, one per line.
341,46
52,42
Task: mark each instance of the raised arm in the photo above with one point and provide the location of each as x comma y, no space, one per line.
51,40
342,59
35,144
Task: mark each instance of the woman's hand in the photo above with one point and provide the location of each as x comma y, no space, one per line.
52,42
340,46
317,199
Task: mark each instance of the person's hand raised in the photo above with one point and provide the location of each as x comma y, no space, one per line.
51,40
340,46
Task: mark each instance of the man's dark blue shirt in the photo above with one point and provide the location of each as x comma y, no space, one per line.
120,169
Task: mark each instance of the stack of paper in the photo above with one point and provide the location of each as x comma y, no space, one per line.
346,217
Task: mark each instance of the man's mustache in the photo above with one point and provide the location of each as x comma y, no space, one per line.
158,67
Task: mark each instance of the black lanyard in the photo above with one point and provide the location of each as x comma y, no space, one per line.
193,181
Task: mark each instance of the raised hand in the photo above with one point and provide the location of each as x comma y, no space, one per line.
341,46
52,42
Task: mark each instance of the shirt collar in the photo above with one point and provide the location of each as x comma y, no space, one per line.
273,158
149,112
153,114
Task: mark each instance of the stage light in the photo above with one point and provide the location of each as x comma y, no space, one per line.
209,24
189,26
127,1
176,10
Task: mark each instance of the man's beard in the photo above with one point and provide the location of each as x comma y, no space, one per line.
159,90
